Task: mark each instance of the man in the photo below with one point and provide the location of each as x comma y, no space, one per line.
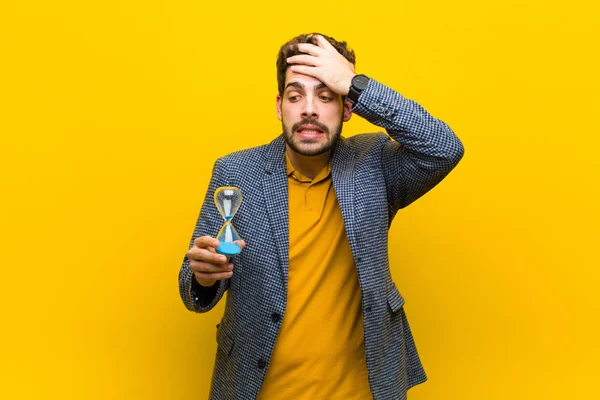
312,311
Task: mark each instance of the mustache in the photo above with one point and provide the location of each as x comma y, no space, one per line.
316,123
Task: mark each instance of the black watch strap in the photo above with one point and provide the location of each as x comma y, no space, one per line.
358,84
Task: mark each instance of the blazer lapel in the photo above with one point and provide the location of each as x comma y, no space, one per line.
275,190
342,173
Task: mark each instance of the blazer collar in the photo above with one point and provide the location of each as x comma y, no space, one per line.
275,155
342,156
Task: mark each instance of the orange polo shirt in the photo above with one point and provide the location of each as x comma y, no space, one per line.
319,352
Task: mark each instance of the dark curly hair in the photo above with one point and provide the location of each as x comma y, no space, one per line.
291,49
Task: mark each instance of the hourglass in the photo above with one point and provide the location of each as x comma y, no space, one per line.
228,200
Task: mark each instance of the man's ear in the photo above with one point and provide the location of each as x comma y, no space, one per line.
347,110
278,102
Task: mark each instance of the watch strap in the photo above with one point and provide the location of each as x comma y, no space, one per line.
358,84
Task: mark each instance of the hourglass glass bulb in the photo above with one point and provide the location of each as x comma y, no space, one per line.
228,200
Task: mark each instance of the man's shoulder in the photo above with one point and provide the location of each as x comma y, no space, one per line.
250,156
367,142
368,138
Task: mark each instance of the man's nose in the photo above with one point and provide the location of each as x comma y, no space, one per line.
309,111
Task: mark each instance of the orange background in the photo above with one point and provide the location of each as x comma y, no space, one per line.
113,112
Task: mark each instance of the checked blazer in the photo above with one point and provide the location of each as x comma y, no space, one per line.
374,175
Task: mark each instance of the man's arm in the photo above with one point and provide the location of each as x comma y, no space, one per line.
424,149
196,297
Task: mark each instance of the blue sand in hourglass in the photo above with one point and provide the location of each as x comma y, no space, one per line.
228,248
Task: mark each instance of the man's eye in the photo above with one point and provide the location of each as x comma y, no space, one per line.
293,98
325,98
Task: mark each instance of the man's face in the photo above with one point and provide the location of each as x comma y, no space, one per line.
311,114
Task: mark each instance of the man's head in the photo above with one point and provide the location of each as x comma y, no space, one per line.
311,114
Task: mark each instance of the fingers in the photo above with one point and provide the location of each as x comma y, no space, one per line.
206,241
240,243
310,49
207,265
212,277
322,46
306,70
201,267
205,255
324,43
302,59
209,273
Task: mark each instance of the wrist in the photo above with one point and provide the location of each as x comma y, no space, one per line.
357,85
346,84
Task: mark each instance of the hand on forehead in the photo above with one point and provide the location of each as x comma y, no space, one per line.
324,63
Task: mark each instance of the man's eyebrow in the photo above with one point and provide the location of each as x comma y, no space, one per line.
301,86
294,84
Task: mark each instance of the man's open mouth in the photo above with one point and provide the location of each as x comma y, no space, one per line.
309,131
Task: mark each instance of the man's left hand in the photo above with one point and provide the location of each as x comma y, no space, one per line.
324,63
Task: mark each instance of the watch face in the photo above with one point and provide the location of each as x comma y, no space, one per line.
360,82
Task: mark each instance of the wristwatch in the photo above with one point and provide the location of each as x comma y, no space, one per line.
359,83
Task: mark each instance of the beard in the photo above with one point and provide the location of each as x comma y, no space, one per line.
303,146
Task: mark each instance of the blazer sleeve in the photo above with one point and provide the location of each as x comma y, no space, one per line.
424,149
196,297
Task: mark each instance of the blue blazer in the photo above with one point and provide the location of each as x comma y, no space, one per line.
374,175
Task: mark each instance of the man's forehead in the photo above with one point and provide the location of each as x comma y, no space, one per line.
302,81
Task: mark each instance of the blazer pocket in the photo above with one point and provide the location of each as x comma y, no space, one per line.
224,340
394,298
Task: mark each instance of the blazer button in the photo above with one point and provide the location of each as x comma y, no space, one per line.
261,364
275,317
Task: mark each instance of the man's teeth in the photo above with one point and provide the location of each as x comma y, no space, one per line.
310,132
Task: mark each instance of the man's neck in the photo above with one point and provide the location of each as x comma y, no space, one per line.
309,166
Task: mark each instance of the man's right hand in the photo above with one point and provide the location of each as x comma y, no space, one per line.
207,265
